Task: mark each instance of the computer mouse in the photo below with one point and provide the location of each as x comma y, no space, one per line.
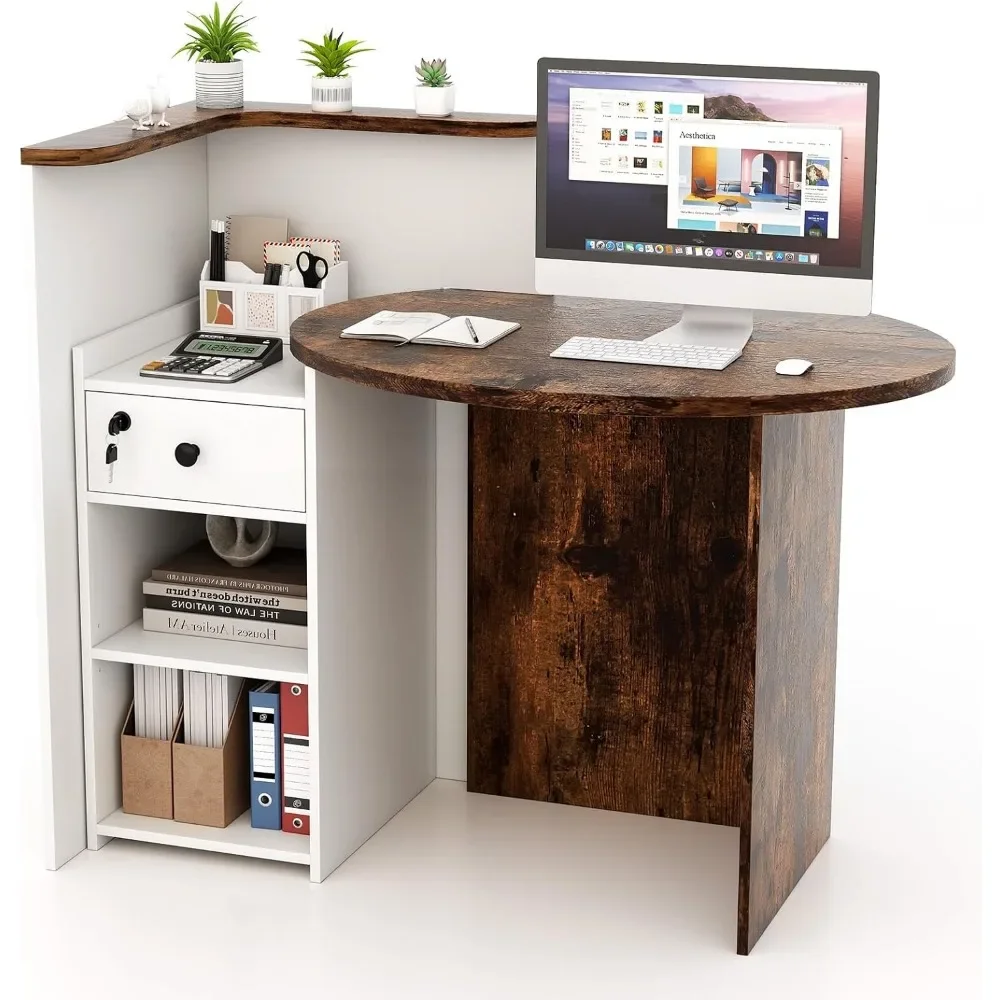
793,366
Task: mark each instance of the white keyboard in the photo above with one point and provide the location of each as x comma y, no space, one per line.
641,352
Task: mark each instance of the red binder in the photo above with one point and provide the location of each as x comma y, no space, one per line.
295,758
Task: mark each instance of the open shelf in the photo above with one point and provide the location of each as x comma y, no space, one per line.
237,838
133,644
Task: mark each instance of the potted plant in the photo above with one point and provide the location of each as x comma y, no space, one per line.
434,94
215,41
332,87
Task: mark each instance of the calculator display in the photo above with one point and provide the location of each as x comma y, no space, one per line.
225,349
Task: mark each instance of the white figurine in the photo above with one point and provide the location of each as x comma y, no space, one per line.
159,101
140,112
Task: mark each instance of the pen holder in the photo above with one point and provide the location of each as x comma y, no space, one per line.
244,304
147,772
212,784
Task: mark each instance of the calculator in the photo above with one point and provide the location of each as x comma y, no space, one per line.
216,357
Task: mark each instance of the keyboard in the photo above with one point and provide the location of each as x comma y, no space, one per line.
641,352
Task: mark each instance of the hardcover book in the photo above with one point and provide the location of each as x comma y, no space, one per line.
214,627
250,598
282,572
236,612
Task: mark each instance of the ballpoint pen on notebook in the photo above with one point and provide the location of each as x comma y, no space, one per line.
472,330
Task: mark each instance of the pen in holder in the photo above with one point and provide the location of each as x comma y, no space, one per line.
217,251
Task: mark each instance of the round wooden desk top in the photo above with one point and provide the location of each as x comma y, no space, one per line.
857,361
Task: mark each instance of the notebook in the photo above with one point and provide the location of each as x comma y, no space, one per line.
430,328
246,236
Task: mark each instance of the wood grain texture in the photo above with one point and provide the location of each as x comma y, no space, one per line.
652,627
786,816
858,361
117,141
611,624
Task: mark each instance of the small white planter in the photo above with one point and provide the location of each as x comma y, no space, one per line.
218,85
434,102
332,93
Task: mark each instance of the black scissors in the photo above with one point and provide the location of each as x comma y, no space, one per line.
312,268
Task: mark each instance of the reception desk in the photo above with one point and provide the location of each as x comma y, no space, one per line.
614,589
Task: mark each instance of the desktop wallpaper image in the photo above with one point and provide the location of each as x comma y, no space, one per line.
581,210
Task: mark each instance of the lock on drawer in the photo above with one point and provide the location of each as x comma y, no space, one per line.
182,449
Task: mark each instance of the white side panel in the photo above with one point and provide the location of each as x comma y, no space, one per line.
411,212
452,587
112,243
371,617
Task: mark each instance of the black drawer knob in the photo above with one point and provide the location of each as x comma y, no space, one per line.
186,454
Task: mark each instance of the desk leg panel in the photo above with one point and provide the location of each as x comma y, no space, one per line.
611,636
787,815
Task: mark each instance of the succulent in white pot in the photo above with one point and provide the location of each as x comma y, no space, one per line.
215,41
332,87
434,94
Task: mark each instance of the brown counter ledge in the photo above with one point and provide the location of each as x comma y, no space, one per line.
116,140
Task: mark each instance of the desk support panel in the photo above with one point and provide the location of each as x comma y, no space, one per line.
633,581
786,818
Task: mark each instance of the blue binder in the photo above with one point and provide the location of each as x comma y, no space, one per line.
265,757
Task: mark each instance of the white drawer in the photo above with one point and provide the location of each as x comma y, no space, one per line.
247,456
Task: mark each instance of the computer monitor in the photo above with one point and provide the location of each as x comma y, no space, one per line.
728,187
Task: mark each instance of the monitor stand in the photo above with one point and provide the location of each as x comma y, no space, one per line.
708,326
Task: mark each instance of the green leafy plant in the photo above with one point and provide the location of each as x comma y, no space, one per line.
433,73
218,39
332,56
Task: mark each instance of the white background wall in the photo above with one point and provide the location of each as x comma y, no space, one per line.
919,582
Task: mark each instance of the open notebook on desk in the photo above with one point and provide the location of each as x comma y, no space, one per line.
431,328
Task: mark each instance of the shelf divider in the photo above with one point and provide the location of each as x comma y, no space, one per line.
134,644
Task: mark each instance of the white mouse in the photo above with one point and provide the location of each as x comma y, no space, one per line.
793,366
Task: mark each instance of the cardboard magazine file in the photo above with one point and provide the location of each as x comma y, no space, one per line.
212,784
147,772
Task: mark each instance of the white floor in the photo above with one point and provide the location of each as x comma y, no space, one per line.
473,896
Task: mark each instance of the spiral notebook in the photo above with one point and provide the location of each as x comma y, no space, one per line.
431,328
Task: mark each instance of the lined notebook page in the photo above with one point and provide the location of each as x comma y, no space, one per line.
455,332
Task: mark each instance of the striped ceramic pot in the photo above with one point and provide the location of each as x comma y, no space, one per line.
218,85
332,93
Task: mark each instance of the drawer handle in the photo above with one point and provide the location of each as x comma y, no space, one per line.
186,454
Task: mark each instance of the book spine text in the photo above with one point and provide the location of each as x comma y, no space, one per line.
212,627
228,583
236,612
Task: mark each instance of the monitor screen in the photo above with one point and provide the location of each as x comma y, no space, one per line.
707,166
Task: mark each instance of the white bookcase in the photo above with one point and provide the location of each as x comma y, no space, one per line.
370,659
345,183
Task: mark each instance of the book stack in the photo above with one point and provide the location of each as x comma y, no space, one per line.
197,593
